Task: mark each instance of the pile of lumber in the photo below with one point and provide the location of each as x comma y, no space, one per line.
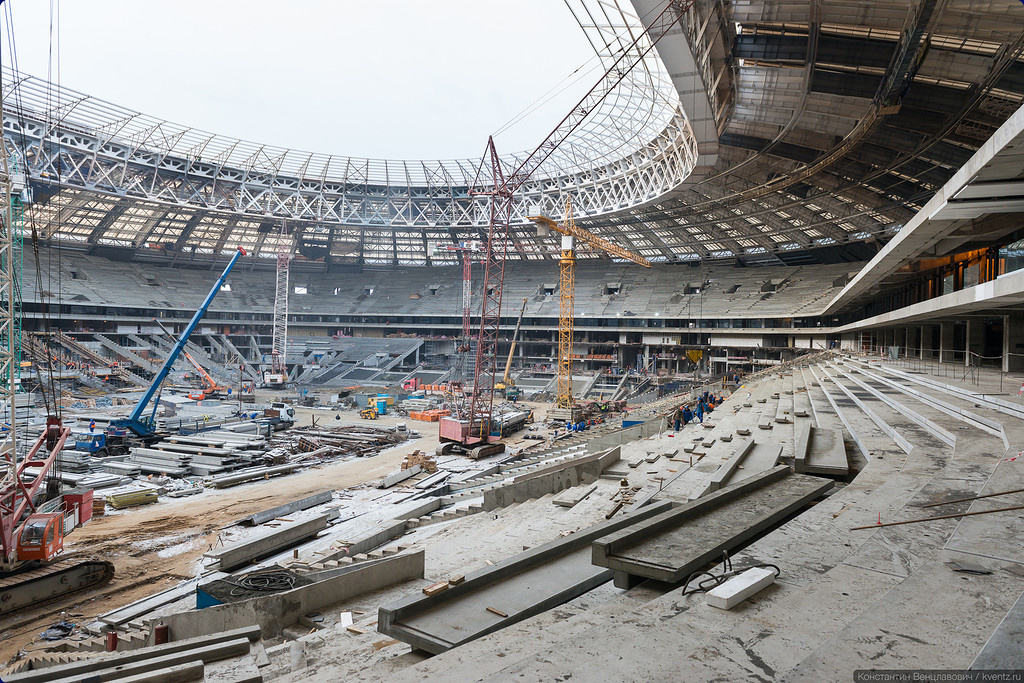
424,460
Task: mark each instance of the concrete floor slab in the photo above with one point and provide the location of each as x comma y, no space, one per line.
935,618
986,535
1005,648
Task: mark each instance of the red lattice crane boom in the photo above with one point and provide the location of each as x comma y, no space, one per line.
504,188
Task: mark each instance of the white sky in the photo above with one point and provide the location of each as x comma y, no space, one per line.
398,79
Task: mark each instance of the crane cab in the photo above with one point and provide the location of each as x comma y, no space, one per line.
42,537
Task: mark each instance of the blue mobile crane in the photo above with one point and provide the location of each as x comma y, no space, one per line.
144,426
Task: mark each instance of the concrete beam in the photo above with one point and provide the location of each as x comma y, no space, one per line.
520,587
673,544
897,438
400,475
148,658
288,508
752,458
944,435
983,423
179,673
273,613
242,553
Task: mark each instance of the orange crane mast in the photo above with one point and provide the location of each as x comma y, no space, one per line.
567,285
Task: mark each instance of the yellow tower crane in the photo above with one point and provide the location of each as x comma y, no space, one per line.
567,285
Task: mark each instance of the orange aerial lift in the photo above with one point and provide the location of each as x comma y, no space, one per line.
211,388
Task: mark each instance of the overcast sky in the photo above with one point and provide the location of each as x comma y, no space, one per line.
398,79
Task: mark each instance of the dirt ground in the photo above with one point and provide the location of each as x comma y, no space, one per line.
132,540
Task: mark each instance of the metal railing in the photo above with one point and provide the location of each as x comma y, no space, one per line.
960,365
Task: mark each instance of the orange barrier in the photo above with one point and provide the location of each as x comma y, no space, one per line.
429,415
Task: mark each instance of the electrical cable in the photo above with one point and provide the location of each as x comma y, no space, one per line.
714,580
273,581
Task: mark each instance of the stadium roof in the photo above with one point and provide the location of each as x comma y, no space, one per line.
762,131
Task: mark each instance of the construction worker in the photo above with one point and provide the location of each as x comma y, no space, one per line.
687,415
677,417
92,426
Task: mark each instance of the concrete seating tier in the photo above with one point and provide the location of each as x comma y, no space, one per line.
603,289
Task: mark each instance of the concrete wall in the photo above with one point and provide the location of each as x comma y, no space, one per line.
388,531
566,476
278,611
623,436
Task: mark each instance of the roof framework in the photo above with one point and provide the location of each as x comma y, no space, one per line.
817,125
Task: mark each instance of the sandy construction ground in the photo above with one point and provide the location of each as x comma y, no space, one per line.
155,546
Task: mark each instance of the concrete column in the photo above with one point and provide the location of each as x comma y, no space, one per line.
1013,342
927,343
945,342
975,339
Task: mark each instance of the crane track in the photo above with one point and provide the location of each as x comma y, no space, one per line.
50,582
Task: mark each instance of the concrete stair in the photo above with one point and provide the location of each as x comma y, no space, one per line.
132,637
125,352
443,516
838,587
251,371
80,349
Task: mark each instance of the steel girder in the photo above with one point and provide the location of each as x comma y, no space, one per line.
83,161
